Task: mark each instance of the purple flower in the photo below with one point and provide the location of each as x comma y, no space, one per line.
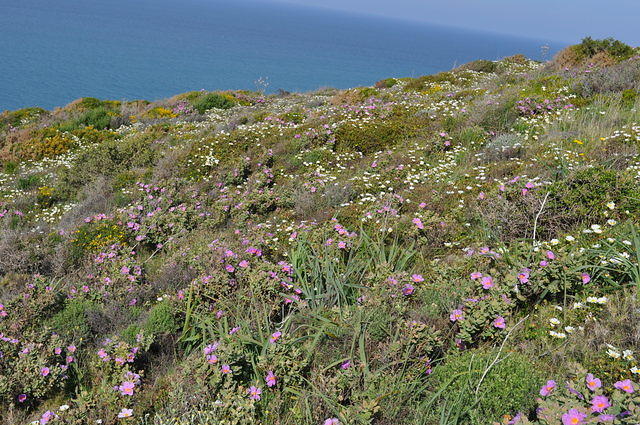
22,398
573,417
44,371
548,388
270,379
46,417
254,392
274,337
126,388
456,315
408,289
585,278
592,382
225,368
626,386
331,421
125,413
523,276
487,282
599,404
499,322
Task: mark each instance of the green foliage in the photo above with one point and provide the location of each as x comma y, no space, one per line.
478,386
211,101
72,321
590,47
161,320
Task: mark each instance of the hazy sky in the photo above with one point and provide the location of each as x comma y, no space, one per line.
559,20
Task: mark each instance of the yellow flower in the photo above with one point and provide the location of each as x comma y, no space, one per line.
578,142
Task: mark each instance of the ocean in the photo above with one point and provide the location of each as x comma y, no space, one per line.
55,51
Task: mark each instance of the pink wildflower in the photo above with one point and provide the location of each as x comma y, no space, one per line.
254,392
499,322
600,403
626,386
548,388
592,382
573,417
456,315
270,379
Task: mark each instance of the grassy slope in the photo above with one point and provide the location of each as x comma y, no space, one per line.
426,251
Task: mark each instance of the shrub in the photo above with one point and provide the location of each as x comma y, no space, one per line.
481,65
211,101
484,385
616,48
161,320
72,321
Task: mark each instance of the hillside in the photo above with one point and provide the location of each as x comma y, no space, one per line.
458,248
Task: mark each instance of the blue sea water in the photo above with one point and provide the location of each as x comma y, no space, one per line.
55,51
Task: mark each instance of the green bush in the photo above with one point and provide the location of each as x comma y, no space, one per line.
71,321
616,48
211,101
481,390
161,320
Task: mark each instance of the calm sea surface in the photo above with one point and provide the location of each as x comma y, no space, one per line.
54,51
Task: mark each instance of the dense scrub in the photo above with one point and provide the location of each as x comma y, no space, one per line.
461,248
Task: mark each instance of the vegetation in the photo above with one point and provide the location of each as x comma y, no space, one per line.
454,249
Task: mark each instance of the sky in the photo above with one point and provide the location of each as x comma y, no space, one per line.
556,20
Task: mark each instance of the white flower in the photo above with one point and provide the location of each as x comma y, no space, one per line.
596,228
627,355
611,222
611,205
569,238
64,407
635,370
557,334
613,354
569,329
554,321
554,241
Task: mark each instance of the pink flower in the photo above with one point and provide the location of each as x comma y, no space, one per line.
592,382
573,417
229,268
254,392
22,398
408,289
456,315
331,421
418,223
270,379
547,388
225,368
599,404
585,278
499,322
274,337
342,245
46,417
125,413
523,276
626,386
212,359
487,282
44,371
126,388
551,255
417,278
475,275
